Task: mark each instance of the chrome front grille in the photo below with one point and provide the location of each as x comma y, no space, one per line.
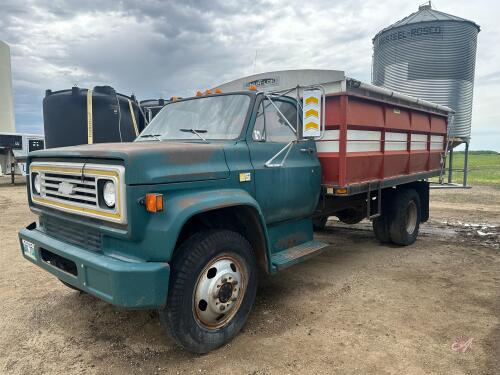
77,188
80,189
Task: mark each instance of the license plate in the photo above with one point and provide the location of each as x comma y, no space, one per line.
29,249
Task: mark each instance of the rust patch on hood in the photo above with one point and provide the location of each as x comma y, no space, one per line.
177,153
154,162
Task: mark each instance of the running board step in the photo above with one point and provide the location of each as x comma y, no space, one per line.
294,255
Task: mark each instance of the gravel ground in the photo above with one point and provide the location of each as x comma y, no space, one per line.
359,308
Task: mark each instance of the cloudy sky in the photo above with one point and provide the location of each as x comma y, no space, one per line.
159,48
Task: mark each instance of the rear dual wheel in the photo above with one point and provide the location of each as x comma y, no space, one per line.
400,221
212,289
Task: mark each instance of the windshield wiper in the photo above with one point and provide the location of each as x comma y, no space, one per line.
197,132
155,136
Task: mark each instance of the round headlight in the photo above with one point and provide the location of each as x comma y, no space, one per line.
109,193
37,182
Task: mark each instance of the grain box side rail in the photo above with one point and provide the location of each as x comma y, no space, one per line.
377,137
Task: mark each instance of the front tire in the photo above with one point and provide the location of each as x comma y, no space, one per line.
212,289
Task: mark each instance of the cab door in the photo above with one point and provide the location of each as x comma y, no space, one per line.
289,191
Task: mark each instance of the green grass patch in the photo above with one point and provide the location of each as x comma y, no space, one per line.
484,167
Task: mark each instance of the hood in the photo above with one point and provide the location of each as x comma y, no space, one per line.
153,162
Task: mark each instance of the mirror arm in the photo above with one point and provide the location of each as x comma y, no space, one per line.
270,163
281,114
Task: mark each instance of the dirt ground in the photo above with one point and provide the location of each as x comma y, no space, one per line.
359,308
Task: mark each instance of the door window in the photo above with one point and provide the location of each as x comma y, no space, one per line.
270,126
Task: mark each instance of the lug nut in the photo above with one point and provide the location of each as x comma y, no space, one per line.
224,280
235,282
222,308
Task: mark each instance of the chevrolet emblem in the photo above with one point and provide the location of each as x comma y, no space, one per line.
65,188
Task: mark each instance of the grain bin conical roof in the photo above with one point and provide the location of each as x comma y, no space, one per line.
425,13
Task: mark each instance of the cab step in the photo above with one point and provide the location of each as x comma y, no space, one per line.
294,255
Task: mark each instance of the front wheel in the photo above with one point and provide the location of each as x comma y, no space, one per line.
212,290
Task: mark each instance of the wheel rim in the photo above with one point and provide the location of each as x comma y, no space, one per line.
219,291
411,217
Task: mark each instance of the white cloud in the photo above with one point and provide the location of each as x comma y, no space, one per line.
162,48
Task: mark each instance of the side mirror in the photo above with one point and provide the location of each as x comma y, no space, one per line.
257,136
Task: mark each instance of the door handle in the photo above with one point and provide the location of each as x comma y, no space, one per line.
309,150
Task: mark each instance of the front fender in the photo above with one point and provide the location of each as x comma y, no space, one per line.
185,205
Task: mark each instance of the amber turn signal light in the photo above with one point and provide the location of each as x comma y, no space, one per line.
154,202
199,93
252,88
218,91
341,191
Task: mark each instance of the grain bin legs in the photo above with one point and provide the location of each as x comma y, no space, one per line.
466,162
450,167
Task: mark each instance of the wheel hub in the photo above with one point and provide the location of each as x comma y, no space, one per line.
219,291
225,292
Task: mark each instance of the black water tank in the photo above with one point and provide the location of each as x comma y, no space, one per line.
80,116
151,107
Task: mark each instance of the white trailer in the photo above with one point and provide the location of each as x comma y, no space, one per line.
14,148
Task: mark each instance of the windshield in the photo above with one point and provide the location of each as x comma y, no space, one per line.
212,117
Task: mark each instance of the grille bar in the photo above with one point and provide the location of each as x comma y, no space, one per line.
75,180
81,190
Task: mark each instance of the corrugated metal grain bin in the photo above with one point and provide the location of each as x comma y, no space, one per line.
430,55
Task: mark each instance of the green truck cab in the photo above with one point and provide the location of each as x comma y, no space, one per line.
221,213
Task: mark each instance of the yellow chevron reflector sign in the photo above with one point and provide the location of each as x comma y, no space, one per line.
311,113
311,100
312,125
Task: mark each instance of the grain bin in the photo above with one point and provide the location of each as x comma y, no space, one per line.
6,107
79,116
430,55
